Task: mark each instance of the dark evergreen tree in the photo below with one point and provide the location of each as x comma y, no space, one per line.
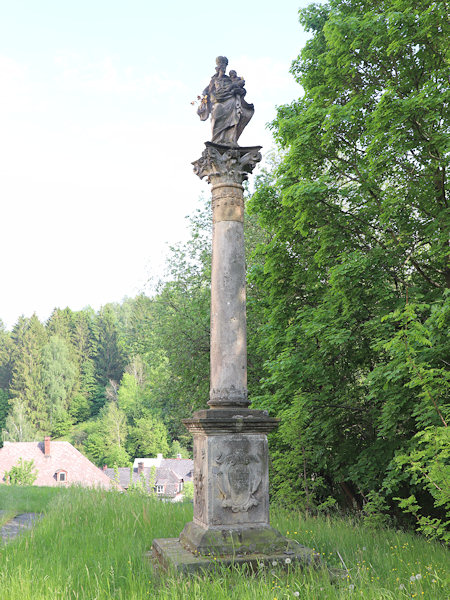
59,376
6,357
109,357
29,337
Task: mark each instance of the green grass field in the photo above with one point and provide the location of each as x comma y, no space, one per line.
90,545
27,499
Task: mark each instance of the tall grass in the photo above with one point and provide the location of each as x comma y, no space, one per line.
20,499
91,544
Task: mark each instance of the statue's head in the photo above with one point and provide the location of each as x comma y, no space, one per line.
221,62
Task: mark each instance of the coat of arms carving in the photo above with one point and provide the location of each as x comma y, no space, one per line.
238,479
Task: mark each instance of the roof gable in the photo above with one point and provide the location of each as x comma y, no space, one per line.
63,456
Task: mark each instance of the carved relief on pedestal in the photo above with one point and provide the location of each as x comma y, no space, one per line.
199,483
199,497
238,479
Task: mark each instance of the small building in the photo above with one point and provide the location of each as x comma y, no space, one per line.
168,477
55,463
148,462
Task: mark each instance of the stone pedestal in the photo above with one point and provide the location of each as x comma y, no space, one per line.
231,484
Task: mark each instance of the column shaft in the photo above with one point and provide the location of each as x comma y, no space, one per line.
228,385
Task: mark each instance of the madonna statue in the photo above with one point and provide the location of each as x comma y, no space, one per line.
223,99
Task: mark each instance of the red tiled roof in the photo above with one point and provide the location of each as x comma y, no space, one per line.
63,456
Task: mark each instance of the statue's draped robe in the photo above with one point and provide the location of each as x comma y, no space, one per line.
230,113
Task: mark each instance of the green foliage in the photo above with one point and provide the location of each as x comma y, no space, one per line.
347,300
4,407
106,437
59,373
376,511
353,279
128,393
6,357
114,454
18,427
188,491
177,449
427,466
109,349
179,339
24,473
148,438
152,481
29,337
80,408
139,486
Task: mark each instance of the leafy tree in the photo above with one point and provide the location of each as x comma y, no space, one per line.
356,262
188,491
114,424
106,437
60,324
148,438
177,449
175,335
24,473
128,394
180,326
116,455
18,426
140,326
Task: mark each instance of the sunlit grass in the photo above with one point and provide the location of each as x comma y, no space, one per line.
27,498
91,545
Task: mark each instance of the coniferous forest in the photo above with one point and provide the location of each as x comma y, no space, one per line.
348,300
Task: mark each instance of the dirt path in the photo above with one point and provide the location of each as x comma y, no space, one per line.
17,525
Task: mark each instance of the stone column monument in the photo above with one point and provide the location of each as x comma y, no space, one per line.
231,483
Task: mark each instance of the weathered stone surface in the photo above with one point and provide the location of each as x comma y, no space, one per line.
230,420
228,385
225,540
228,203
172,556
231,483
223,100
226,168
235,488
225,165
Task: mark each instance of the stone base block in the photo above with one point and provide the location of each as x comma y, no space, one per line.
232,540
171,555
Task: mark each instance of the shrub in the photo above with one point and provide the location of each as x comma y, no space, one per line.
24,473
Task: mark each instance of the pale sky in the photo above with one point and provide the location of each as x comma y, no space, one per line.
97,134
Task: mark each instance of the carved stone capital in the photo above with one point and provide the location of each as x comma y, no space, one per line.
222,163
